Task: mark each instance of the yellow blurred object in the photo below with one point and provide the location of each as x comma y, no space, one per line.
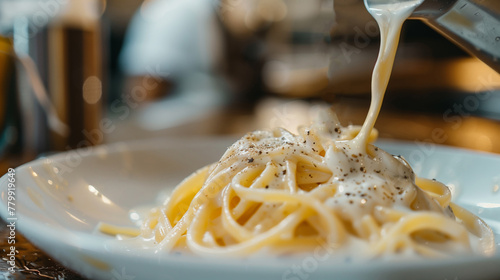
471,75
6,66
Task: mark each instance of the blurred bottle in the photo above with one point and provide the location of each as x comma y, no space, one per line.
75,73
51,72
10,121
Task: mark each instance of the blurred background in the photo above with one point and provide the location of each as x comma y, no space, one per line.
76,73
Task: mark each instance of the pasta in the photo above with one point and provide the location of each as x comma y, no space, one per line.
284,194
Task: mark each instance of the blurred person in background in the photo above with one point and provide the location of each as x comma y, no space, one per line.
193,57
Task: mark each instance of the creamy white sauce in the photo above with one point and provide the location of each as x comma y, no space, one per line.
366,182
390,18
383,172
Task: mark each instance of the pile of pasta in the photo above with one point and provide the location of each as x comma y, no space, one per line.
284,194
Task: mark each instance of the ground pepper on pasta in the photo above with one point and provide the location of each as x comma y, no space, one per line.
283,194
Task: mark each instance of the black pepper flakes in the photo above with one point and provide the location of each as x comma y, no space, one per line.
250,160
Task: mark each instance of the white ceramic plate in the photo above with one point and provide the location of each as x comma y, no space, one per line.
59,212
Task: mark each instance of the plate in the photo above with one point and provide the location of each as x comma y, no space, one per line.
60,200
